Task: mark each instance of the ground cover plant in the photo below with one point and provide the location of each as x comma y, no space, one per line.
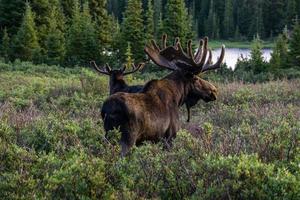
245,145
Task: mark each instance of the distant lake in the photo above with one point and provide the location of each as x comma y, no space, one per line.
232,55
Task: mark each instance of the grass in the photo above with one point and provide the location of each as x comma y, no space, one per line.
238,44
245,145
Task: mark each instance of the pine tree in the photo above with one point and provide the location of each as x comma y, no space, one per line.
11,15
177,22
149,29
82,42
5,48
280,52
212,23
257,26
133,30
157,4
98,9
68,7
105,24
294,53
290,11
47,11
25,44
257,60
54,40
228,19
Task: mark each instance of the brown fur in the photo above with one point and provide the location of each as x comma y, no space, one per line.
152,114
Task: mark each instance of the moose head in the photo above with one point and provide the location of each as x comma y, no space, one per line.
116,77
190,65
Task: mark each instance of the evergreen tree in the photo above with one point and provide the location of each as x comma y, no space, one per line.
257,60
68,7
257,26
5,48
82,42
105,24
294,53
133,30
98,9
54,40
212,29
47,11
157,4
25,44
290,11
274,16
177,22
11,13
228,20
279,54
149,29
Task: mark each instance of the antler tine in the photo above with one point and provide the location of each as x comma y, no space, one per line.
179,47
199,52
135,68
218,63
204,54
98,69
156,47
164,41
177,40
190,51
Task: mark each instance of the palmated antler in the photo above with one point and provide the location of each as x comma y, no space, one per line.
174,57
134,68
106,71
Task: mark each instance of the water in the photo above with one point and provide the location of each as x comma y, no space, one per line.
232,55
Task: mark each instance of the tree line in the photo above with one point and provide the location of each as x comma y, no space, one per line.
73,32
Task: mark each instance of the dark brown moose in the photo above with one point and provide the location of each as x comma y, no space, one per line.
116,78
153,114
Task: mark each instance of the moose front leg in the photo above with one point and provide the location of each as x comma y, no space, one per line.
127,142
188,113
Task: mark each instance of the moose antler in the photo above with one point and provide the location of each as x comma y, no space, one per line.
107,68
174,57
134,68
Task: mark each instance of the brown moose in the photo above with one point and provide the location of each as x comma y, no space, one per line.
153,114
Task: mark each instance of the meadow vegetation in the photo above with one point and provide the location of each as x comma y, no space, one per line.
245,145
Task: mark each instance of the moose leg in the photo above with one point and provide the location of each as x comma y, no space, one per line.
189,112
127,141
124,149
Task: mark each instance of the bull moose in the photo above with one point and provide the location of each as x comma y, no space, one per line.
116,78
118,84
153,114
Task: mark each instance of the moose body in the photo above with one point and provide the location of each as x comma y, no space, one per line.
153,114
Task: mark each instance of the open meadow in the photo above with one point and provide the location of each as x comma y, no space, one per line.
245,145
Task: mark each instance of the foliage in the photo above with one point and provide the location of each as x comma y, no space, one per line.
5,48
25,44
245,145
82,43
294,53
176,22
132,30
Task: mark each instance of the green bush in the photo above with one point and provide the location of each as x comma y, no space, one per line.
245,145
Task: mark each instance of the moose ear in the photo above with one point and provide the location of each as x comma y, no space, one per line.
107,67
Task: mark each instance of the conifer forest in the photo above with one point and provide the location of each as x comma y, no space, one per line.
150,99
